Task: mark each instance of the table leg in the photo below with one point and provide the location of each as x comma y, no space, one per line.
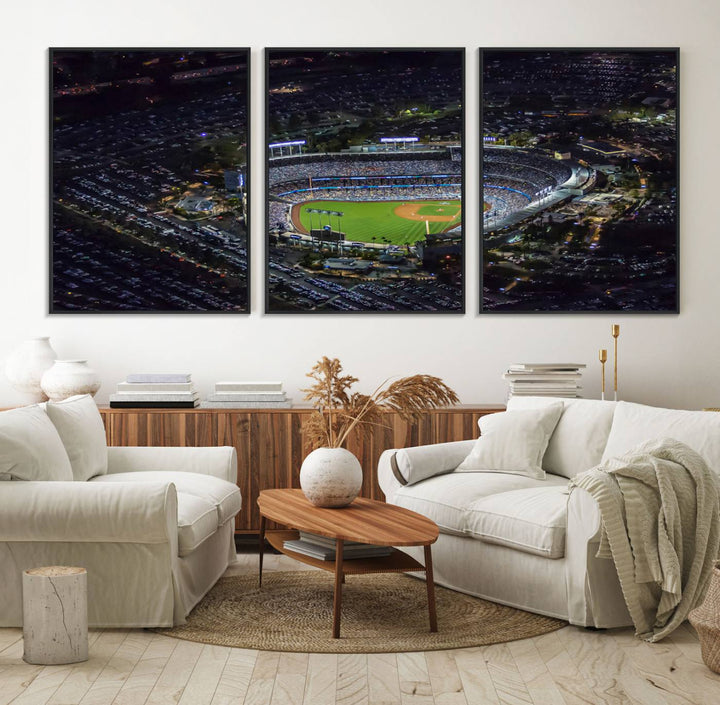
261,549
430,588
337,597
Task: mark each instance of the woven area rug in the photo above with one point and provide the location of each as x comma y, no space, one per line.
380,613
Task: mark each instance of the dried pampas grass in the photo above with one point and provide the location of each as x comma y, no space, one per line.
338,410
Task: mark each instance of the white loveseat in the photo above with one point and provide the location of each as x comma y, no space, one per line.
529,542
154,527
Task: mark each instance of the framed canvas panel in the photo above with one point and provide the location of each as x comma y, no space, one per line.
149,187
364,153
579,180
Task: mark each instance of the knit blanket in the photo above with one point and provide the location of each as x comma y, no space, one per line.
659,506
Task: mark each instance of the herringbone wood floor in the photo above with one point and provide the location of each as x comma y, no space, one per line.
570,666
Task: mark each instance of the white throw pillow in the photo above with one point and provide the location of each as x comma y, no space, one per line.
30,447
513,442
579,439
81,429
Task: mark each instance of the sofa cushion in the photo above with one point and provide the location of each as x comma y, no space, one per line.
580,437
197,521
513,442
223,495
635,423
532,520
81,429
421,462
30,447
446,499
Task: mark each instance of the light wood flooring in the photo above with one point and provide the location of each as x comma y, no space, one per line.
569,666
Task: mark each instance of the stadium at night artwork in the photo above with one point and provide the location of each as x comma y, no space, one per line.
149,185
365,180
580,180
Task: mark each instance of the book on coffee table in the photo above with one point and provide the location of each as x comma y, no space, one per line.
326,541
327,553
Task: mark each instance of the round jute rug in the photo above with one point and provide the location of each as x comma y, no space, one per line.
380,613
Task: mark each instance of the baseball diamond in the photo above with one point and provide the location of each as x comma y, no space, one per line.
395,222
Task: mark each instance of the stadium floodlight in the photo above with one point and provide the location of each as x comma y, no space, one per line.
399,139
294,143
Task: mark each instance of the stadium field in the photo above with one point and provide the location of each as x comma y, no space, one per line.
392,222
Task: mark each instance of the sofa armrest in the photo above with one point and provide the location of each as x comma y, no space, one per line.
583,519
219,462
406,466
594,594
88,512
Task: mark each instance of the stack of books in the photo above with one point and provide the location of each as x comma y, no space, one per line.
247,395
545,379
323,548
155,391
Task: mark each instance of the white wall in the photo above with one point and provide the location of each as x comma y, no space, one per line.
665,359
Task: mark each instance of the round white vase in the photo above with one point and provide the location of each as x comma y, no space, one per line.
25,366
331,477
66,378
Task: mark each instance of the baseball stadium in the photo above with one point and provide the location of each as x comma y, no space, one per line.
377,200
519,183
371,199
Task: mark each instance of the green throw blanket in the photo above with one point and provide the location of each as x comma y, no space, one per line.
660,524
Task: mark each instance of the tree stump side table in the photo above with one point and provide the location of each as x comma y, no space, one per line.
55,624
706,620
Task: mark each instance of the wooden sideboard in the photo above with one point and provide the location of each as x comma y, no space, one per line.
270,443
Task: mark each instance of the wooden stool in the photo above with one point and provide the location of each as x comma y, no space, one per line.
55,625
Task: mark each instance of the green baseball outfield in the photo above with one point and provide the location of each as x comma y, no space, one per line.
392,222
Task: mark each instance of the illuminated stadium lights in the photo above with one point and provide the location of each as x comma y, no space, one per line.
290,146
395,141
287,144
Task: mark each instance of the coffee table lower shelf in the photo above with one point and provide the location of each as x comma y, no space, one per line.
396,562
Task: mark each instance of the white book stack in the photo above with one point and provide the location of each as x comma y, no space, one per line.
247,395
156,391
323,548
544,379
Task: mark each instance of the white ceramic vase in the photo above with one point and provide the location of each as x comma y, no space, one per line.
25,366
331,477
66,378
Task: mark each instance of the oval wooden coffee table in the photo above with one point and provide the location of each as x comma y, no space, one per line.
366,521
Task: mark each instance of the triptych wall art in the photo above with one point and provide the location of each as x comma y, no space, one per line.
364,193
149,198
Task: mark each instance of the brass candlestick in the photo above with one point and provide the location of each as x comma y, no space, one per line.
615,330
603,360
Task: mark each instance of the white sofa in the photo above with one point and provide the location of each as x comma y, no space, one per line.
528,542
154,527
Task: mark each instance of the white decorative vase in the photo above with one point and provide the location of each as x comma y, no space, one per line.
66,378
331,477
25,366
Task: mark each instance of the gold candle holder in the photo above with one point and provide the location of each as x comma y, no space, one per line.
603,360
615,330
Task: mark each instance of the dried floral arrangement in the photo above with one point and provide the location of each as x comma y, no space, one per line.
338,410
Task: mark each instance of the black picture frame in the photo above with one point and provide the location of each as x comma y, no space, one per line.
128,128
615,108
313,93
